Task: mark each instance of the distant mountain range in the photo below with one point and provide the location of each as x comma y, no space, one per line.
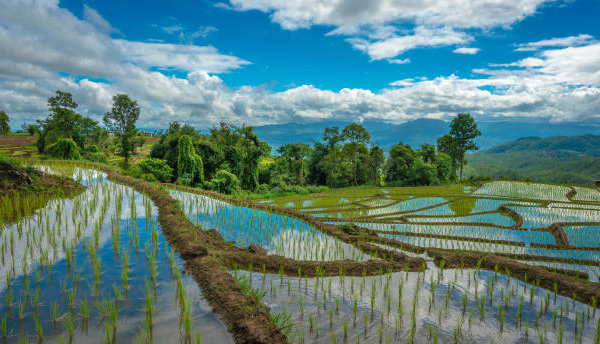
563,159
423,130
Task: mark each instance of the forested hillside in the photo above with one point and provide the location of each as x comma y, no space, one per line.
563,159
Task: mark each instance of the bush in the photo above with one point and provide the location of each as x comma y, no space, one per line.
65,149
225,182
157,168
92,149
350,229
190,169
98,157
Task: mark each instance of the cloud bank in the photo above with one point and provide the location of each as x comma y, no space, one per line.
44,48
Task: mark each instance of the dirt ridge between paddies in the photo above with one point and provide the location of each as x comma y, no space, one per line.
246,319
546,277
398,261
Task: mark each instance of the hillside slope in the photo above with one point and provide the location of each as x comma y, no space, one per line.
562,159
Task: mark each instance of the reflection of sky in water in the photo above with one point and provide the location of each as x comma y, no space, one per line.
524,190
583,236
544,217
492,247
131,314
443,314
491,218
282,235
592,271
482,232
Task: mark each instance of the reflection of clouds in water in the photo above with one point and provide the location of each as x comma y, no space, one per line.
312,245
448,297
544,217
41,236
282,235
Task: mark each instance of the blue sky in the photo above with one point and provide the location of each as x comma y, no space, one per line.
272,61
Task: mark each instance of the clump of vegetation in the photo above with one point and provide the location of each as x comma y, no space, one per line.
151,169
190,169
4,123
65,149
225,182
349,228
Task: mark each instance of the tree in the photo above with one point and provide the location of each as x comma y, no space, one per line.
356,133
375,161
332,136
4,123
358,137
62,122
443,165
190,170
463,130
400,162
445,145
295,154
121,121
427,152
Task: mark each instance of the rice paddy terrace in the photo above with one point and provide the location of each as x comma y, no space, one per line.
131,261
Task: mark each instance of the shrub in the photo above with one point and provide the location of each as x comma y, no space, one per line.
65,149
92,149
190,169
225,182
157,168
98,157
350,229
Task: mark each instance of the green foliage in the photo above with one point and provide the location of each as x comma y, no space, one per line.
63,123
121,121
463,130
65,149
4,123
154,169
98,157
190,170
225,182
350,229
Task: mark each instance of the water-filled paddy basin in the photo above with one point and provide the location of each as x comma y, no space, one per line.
466,306
279,234
97,267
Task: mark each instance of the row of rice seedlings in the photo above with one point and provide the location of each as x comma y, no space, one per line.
525,190
538,217
497,219
386,307
583,236
464,245
467,231
586,194
281,234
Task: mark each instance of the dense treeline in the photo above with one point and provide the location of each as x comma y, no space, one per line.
232,158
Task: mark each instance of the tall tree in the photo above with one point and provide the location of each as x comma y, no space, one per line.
400,162
121,121
445,145
356,133
358,137
463,130
4,123
295,154
427,152
376,160
62,122
332,136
